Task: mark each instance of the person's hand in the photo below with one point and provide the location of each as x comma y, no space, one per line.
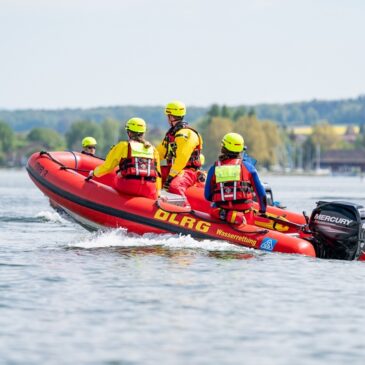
167,183
90,176
201,176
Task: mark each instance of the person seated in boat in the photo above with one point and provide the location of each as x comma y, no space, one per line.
230,182
89,146
181,148
139,163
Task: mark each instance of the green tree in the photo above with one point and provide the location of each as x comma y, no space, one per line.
296,115
155,135
360,140
255,139
2,154
214,111
312,115
308,152
111,134
325,135
252,112
239,112
81,129
47,138
212,136
6,137
274,141
225,113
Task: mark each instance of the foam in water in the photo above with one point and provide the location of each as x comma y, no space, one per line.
50,216
120,238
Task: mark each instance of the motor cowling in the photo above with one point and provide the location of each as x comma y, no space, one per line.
338,230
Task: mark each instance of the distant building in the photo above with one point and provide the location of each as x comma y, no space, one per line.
343,160
351,134
348,133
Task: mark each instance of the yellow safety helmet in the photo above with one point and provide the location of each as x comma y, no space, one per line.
233,142
175,108
89,141
137,125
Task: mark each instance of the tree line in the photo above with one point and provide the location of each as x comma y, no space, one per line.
16,147
347,111
270,143
61,120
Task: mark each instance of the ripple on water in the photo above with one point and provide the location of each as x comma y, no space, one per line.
70,296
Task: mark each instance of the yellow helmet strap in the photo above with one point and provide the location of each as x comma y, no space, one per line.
133,135
229,154
174,118
174,121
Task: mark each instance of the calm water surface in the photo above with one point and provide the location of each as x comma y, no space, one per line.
68,296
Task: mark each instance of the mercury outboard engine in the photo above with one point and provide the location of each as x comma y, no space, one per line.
338,230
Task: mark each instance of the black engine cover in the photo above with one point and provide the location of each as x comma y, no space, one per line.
338,229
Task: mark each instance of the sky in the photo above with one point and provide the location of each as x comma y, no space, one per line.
90,53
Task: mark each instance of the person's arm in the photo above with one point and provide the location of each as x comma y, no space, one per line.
186,140
158,168
112,159
258,187
161,149
208,189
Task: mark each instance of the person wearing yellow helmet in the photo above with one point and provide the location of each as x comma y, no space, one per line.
89,146
231,182
138,161
181,148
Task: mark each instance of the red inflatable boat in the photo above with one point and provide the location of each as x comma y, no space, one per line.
95,204
335,229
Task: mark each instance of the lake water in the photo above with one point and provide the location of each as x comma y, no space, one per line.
68,296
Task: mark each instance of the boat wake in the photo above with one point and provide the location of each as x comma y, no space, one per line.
120,238
41,217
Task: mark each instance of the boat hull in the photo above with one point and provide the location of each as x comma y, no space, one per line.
95,204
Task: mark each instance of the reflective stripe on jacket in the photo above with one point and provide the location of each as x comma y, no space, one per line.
139,162
118,152
231,182
181,148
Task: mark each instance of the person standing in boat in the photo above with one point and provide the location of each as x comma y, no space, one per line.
138,161
89,146
181,148
230,182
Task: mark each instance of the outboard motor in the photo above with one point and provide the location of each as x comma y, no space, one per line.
338,230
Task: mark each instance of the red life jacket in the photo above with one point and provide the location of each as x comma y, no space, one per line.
140,162
170,145
232,191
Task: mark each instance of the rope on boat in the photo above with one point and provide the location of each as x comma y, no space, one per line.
63,167
76,162
188,211
73,169
52,159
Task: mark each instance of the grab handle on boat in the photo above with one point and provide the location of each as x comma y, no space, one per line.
91,175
